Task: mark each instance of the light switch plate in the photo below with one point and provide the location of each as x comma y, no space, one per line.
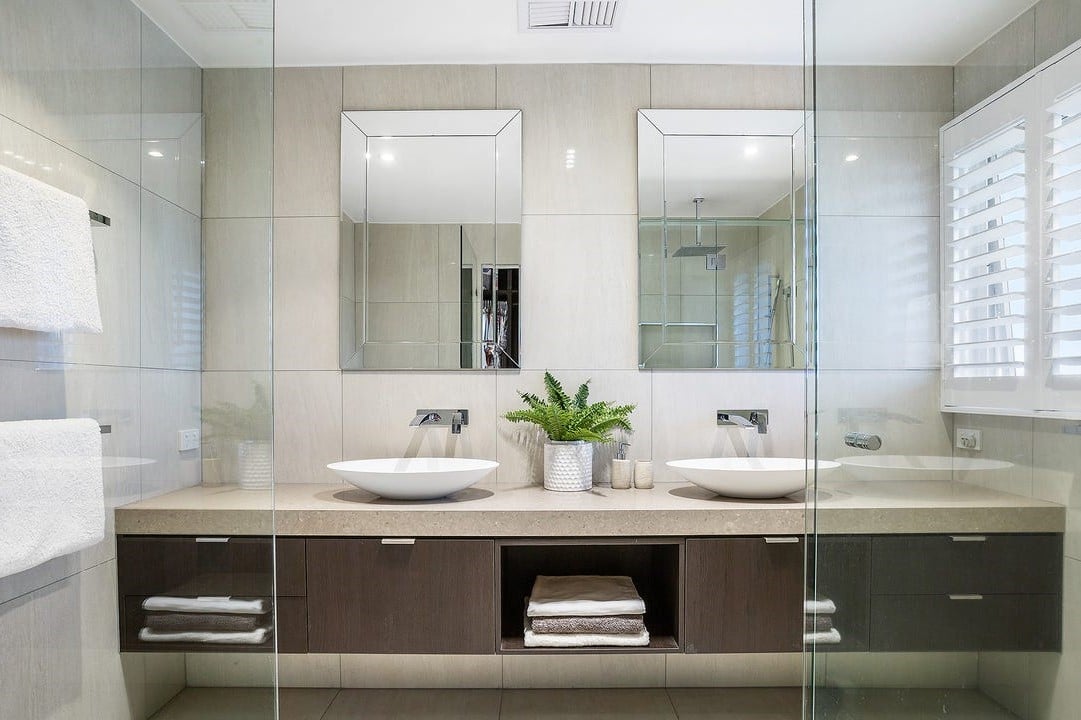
187,440
969,439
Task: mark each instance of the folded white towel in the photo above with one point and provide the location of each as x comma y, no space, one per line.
47,277
832,637
584,596
819,607
570,640
254,637
206,604
52,496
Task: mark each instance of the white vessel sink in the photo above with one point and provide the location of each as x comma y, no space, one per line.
422,478
750,477
892,468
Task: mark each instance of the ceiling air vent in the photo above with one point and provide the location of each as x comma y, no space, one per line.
231,14
564,15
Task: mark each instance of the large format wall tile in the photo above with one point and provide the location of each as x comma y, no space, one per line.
238,120
590,109
685,406
171,286
762,87
307,425
421,671
237,294
891,176
378,406
734,670
1056,474
307,128
1057,26
893,262
579,300
169,402
419,87
1008,439
16,621
1008,55
583,671
237,407
306,294
1056,693
69,69
878,88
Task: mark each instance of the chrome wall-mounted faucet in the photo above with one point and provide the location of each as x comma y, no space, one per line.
455,419
745,418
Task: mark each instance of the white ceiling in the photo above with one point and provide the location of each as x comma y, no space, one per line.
354,32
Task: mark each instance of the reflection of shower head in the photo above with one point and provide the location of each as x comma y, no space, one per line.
698,249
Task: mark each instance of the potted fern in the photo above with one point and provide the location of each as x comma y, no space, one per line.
572,424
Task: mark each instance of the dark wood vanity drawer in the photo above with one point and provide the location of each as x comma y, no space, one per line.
744,595
373,596
941,623
984,564
843,575
195,565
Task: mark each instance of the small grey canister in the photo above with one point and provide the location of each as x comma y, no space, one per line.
643,474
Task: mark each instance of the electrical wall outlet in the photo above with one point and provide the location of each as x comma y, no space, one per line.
969,439
187,440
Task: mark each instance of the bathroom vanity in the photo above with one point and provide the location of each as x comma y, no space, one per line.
972,570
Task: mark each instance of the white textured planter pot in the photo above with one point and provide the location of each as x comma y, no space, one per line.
255,463
568,466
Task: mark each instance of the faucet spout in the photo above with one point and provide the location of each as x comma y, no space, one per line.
456,424
745,419
425,419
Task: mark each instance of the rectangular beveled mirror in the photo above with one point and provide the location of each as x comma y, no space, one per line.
431,218
722,273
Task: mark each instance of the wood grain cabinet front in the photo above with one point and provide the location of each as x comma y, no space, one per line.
744,595
401,596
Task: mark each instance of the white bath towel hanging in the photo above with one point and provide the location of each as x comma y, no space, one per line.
48,281
52,498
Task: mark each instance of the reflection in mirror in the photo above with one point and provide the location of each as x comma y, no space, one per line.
430,239
720,239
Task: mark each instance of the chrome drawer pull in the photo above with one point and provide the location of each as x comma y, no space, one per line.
966,597
211,539
968,538
398,541
773,540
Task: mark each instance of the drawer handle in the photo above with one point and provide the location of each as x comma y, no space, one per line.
966,597
779,540
968,538
211,539
398,541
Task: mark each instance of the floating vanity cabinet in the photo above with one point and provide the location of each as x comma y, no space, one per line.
291,604
966,592
396,595
744,595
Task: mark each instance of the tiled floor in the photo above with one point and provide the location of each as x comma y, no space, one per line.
624,704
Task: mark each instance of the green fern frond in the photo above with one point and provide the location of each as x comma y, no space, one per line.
556,394
567,419
581,397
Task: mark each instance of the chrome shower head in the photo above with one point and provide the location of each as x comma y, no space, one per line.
698,250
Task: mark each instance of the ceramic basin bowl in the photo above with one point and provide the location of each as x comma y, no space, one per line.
742,477
422,478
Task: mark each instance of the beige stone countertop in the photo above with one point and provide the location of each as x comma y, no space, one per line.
509,510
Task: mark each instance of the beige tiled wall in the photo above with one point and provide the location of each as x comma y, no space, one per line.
579,257
1038,34
80,111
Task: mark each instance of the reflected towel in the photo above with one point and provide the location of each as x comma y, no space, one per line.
584,596
817,623
48,281
822,638
603,625
255,637
164,603
819,607
182,622
52,496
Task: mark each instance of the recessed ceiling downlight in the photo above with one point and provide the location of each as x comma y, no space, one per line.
567,14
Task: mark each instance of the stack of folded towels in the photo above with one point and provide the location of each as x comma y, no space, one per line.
585,611
219,620
818,626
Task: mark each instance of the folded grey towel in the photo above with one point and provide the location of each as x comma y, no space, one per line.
190,622
817,623
602,625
